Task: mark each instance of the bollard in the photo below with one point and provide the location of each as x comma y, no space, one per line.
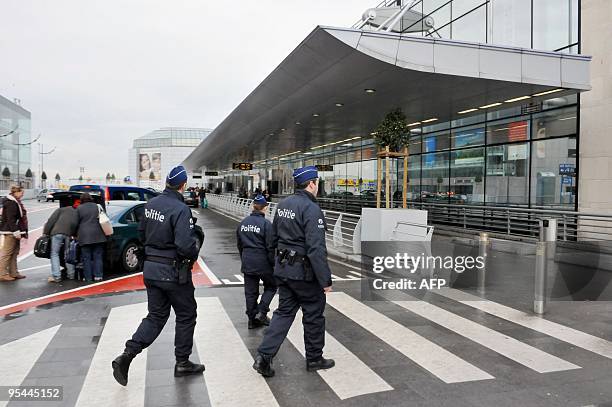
483,248
545,250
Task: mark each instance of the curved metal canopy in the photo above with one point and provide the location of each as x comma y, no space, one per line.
339,83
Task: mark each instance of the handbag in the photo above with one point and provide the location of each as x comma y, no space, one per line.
105,222
42,247
71,253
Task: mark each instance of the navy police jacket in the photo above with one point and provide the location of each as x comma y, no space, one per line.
256,244
299,225
167,230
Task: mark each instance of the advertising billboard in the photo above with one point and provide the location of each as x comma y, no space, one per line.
149,166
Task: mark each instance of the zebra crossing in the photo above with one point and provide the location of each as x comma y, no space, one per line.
229,379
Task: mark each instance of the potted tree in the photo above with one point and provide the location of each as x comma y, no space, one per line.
392,138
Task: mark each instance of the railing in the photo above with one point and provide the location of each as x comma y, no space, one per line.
508,221
343,229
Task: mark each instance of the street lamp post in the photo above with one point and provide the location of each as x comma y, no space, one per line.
18,157
42,153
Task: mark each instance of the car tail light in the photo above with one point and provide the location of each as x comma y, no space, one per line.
106,194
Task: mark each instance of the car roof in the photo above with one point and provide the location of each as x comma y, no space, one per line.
124,203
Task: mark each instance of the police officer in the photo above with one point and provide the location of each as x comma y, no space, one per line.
171,247
256,246
302,272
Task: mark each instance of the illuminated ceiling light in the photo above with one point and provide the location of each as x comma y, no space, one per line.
356,138
339,104
468,111
347,145
370,91
283,129
271,134
433,119
315,115
413,124
307,153
567,118
298,123
491,105
548,92
517,99
373,133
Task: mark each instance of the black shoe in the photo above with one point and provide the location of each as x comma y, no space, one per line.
187,368
263,366
121,366
255,323
321,363
262,319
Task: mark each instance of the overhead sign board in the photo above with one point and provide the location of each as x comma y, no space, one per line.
242,166
567,169
324,167
211,173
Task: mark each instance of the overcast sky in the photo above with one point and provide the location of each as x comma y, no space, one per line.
98,73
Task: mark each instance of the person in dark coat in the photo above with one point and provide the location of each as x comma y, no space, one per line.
255,240
61,226
202,196
91,238
14,228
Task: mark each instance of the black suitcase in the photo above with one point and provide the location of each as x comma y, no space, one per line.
42,248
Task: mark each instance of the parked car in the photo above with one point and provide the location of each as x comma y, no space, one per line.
47,194
124,248
190,200
117,192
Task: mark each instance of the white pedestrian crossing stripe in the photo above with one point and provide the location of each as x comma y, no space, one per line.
100,387
228,361
350,377
509,347
13,368
433,358
570,335
230,380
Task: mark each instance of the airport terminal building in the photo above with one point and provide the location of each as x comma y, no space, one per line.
507,103
153,155
16,150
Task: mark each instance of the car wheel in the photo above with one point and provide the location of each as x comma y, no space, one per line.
130,258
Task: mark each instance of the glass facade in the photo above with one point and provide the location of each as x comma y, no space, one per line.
15,154
538,24
172,137
505,158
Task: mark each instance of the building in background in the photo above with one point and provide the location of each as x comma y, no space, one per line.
153,155
497,94
16,153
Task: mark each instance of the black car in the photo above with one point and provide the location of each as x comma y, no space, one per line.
190,198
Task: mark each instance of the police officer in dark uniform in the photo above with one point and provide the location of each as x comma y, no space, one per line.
302,273
171,247
257,249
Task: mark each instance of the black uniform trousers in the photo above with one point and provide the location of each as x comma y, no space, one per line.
161,296
251,293
292,295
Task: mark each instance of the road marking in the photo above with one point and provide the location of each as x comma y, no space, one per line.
19,356
431,357
62,293
36,268
509,347
350,377
100,387
343,263
561,332
230,380
211,276
34,236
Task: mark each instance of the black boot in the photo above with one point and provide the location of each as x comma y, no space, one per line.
263,366
321,363
187,368
262,319
121,366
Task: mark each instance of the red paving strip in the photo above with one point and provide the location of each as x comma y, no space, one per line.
117,285
27,245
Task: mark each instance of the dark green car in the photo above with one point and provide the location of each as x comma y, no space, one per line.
124,248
